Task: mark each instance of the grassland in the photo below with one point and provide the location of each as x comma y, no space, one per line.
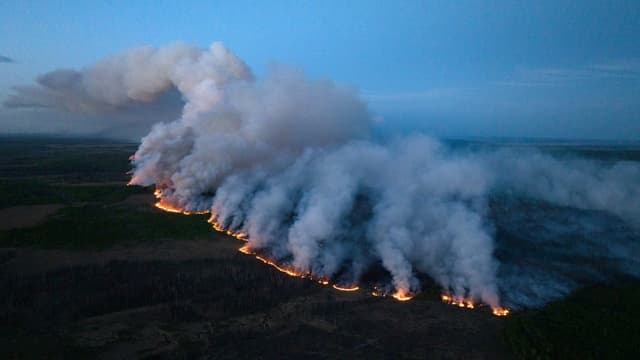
96,226
88,179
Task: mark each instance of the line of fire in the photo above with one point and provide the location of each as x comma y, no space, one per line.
400,294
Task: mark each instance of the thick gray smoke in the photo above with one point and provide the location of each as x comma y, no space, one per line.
290,162
137,75
138,84
287,161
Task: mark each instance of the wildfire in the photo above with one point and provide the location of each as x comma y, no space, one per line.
346,288
469,304
457,301
245,250
287,270
171,208
166,207
499,311
236,234
174,209
400,294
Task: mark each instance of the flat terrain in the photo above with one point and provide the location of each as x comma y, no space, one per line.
90,269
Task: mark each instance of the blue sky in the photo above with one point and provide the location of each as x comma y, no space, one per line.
559,69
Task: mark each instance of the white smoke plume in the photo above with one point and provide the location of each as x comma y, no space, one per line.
137,75
290,162
144,83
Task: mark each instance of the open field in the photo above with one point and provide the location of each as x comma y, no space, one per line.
90,269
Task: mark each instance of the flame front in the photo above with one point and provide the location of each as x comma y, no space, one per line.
469,304
160,204
499,311
402,295
458,301
245,249
346,288
399,294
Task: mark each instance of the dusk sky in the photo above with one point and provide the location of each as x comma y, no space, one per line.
540,69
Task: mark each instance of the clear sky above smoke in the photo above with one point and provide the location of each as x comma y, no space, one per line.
562,69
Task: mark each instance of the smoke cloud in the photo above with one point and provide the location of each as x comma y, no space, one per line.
291,162
143,83
6,59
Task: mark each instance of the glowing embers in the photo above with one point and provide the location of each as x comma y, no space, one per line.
166,207
400,295
457,301
469,304
285,269
236,234
171,208
245,249
346,288
499,311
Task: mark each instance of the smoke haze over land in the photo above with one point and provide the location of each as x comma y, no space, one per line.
292,162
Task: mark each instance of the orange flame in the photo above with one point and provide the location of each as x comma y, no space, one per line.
402,295
499,311
458,301
218,227
287,270
469,304
166,207
245,250
174,209
171,208
346,288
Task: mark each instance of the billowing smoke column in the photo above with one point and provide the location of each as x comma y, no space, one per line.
137,75
288,163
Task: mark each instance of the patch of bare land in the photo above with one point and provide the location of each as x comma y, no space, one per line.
22,216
